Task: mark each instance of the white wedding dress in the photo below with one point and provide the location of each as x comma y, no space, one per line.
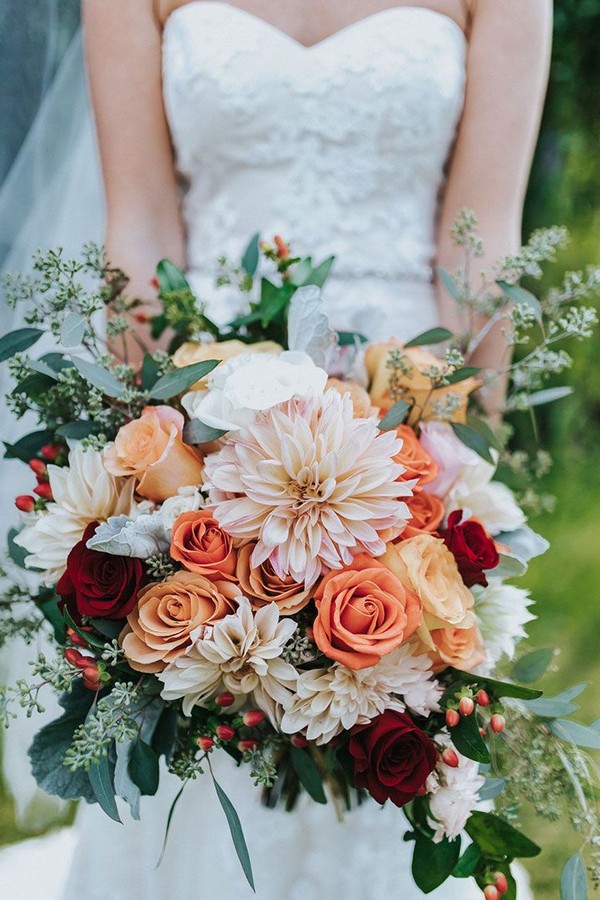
341,148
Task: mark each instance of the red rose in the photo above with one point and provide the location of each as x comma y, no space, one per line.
99,584
472,548
392,757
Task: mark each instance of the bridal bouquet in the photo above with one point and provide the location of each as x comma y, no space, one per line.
275,542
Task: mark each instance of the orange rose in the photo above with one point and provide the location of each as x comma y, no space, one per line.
361,401
201,545
462,648
415,459
192,352
152,449
159,629
262,585
410,384
427,511
363,613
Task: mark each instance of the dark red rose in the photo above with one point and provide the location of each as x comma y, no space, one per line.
472,547
99,584
392,757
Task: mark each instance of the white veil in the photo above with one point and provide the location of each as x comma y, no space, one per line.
52,197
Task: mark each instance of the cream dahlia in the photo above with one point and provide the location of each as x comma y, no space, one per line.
453,794
311,485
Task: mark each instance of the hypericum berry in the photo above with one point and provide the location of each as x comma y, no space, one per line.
298,740
501,882
452,718
466,707
482,698
283,251
76,638
225,699
84,661
51,452
483,732
205,743
497,723
225,732
25,503
43,490
38,466
73,656
91,673
450,758
491,892
253,717
247,744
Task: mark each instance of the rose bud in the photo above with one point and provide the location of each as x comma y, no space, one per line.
225,699
25,503
253,717
43,490
247,744
491,892
225,732
298,740
39,467
466,706
205,743
501,882
51,452
73,656
482,698
450,758
452,718
497,723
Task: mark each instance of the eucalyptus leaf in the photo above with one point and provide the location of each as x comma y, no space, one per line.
99,377
574,880
449,283
462,374
539,398
395,416
474,440
521,297
101,779
17,553
550,708
485,431
432,336
143,767
179,380
308,773
73,330
237,834
197,432
575,733
492,788
75,431
18,341
150,370
251,255
531,667
433,864
50,609
42,367
496,837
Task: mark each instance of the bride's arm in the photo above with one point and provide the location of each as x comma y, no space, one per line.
507,73
123,52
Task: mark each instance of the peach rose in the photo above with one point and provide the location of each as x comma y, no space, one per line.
427,511
159,629
201,545
411,384
462,648
363,613
152,449
424,565
415,459
193,352
262,585
361,402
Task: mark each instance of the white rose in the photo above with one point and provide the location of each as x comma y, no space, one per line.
187,499
251,383
491,502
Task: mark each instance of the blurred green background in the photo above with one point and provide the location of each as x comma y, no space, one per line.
565,189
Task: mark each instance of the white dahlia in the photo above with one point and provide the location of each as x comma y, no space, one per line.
453,794
329,701
502,611
241,654
311,484
83,492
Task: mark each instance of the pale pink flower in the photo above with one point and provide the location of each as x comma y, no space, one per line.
311,485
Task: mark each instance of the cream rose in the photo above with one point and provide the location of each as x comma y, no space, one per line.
193,352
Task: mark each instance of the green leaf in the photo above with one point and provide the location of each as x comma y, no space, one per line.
158,326
76,431
308,773
395,416
485,431
150,370
468,862
251,255
520,297
463,374
497,838
108,628
497,689
432,864
273,300
237,834
492,788
50,609
17,553
34,385
468,741
474,440
574,880
349,338
99,377
550,708
171,277
539,398
28,446
449,283
101,779
196,432
18,341
178,380
319,275
169,820
433,336
91,640
531,667
42,367
165,733
575,733
143,767
73,330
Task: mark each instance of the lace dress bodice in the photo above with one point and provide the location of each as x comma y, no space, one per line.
340,147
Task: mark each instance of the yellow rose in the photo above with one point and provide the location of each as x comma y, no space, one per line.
412,385
425,566
193,352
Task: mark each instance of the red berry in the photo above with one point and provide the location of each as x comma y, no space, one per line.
466,706
92,674
73,656
452,718
501,882
225,699
43,490
84,662
490,892
482,698
76,638
225,732
51,452
253,717
39,467
25,503
298,740
205,743
283,251
421,791
450,758
247,744
497,723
